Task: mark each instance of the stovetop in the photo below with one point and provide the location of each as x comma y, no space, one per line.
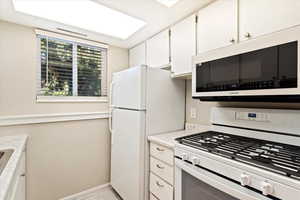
277,157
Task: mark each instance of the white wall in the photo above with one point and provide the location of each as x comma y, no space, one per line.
65,157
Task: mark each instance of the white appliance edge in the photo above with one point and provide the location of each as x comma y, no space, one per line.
145,101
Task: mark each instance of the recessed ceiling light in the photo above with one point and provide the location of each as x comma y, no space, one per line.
168,3
84,14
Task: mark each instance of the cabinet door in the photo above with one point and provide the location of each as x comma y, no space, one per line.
20,191
183,45
158,50
217,25
260,17
137,55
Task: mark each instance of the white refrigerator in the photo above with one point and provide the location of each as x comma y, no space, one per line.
144,101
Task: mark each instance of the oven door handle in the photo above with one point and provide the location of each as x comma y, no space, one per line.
213,180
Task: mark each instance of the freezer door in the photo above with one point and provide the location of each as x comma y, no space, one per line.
128,153
128,88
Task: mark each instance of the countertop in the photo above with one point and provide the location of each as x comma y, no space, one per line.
18,144
168,139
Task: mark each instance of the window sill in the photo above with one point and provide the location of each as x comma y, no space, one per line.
57,99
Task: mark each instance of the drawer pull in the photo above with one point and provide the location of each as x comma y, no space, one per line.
159,185
159,149
159,167
23,175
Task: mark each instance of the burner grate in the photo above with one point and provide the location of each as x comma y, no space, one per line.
280,158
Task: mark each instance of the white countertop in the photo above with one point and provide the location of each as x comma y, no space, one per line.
168,139
18,144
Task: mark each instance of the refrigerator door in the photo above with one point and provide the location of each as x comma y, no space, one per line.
128,89
128,153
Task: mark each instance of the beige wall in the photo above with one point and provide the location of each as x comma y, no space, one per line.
18,70
204,108
63,158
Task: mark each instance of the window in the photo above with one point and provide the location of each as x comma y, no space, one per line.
70,69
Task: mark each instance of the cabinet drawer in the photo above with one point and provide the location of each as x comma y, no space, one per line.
160,188
161,169
162,153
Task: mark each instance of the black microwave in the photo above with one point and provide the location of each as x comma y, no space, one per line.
264,74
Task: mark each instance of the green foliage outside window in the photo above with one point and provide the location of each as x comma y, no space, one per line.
57,78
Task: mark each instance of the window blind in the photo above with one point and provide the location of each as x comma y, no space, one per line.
68,68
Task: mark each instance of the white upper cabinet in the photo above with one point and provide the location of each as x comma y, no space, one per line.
158,50
183,45
137,55
260,17
217,25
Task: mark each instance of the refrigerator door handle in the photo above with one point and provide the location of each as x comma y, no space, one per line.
111,93
111,107
110,120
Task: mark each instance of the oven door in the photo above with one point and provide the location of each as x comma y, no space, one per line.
195,183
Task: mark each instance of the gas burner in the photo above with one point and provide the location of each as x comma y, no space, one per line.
265,154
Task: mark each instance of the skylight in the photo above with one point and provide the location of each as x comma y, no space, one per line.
168,3
83,14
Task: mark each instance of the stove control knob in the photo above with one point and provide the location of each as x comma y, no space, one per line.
184,156
266,188
195,161
245,179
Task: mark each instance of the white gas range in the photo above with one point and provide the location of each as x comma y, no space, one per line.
249,154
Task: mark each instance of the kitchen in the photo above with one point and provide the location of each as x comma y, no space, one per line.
151,71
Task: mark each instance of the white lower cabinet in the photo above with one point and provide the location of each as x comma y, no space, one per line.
162,169
162,153
17,190
161,189
161,172
20,190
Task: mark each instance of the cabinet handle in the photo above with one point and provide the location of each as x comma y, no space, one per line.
23,175
159,185
232,40
247,35
159,167
159,149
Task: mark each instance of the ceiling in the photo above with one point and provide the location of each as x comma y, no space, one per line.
156,15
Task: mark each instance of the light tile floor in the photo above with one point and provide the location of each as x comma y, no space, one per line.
107,194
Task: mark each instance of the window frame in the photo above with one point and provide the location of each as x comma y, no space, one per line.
75,42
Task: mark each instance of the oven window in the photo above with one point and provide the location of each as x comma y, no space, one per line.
194,189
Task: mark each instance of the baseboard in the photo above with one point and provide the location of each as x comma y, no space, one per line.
89,194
